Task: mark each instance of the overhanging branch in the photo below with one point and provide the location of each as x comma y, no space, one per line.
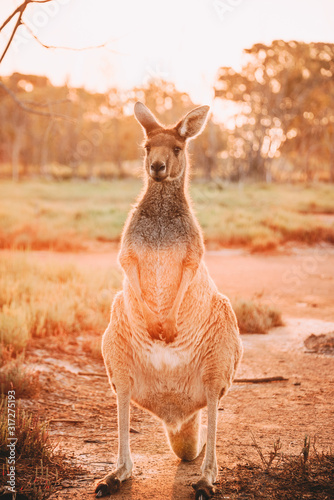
19,10
29,109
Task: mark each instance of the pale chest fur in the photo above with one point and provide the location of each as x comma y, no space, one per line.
160,385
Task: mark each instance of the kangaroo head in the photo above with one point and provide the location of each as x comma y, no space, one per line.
165,158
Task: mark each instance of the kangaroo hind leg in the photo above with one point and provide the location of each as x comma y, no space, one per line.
187,442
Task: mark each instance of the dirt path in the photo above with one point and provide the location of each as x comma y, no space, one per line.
301,284
287,410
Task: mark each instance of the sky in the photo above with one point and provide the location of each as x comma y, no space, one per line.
184,41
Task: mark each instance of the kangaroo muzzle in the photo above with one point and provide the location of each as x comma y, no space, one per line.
158,171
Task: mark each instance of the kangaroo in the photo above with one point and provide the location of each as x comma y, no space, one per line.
172,345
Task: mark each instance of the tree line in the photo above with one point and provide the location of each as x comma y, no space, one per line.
280,124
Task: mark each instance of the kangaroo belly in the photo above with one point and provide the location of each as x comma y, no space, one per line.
160,384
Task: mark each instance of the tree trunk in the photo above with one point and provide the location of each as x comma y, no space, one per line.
17,146
331,166
268,174
212,151
45,150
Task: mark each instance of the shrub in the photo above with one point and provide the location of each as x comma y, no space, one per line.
255,317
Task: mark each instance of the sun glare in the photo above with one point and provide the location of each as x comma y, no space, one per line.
185,42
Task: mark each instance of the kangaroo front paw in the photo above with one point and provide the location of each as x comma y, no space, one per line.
153,324
204,489
109,484
154,330
169,330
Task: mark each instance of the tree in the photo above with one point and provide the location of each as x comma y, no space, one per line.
284,97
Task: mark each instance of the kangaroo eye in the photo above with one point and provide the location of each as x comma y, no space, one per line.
148,149
177,150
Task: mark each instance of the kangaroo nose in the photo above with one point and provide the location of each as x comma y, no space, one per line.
158,167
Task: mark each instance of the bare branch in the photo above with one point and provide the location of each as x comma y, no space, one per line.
19,10
76,49
33,110
18,22
46,103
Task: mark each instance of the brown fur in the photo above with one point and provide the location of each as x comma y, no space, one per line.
172,345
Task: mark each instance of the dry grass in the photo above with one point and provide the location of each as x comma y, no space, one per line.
15,376
42,300
38,469
254,317
31,433
92,346
65,216
309,475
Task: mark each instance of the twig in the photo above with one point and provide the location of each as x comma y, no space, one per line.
92,374
134,431
21,8
65,420
98,441
77,49
32,110
260,380
18,22
46,104
267,462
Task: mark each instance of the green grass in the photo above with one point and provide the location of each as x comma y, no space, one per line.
65,215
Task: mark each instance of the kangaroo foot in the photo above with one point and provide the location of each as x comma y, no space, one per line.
109,484
203,489
112,482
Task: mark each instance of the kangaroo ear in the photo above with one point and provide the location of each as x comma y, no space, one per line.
193,123
146,119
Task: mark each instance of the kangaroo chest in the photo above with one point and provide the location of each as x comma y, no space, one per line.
159,229
160,273
160,240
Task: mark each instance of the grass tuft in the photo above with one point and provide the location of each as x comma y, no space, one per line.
92,347
15,376
38,468
255,317
31,433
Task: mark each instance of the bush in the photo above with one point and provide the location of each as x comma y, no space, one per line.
255,317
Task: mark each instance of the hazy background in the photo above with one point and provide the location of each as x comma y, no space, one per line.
262,188
272,110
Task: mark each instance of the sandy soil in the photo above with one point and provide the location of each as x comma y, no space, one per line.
301,283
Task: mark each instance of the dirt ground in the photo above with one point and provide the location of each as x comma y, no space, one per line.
300,281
